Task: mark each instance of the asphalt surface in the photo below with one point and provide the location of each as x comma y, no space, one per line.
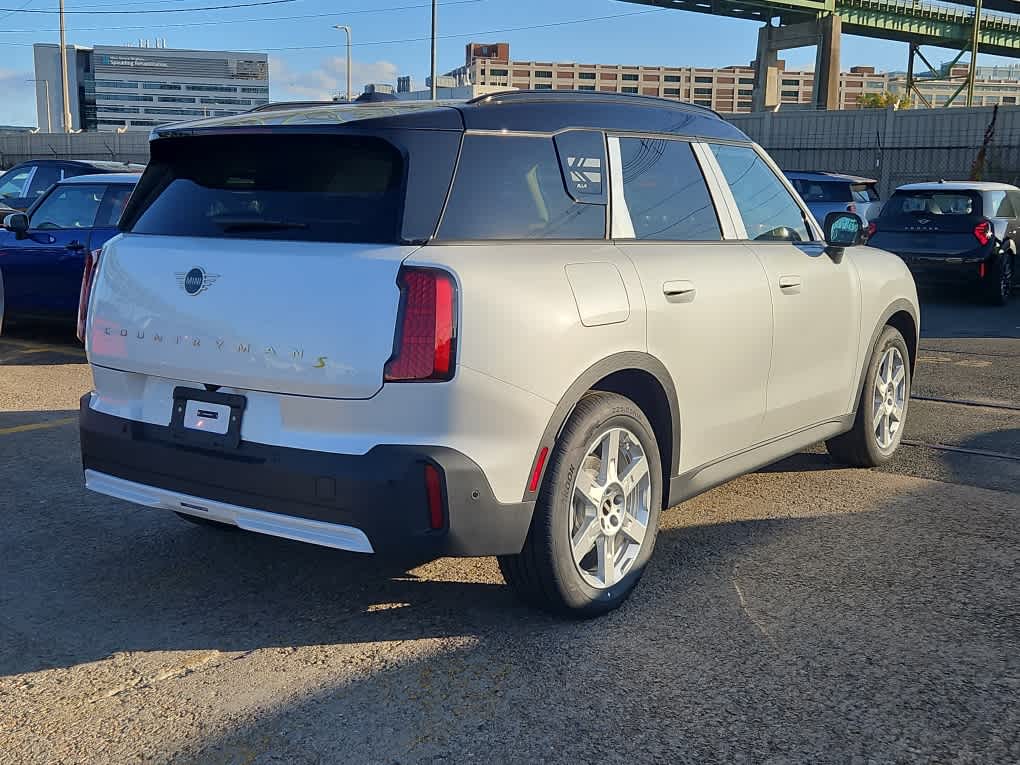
805,613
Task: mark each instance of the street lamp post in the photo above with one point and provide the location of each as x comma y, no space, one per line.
433,87
49,121
347,29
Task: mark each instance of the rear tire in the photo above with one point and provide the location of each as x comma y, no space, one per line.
882,408
595,523
998,287
207,523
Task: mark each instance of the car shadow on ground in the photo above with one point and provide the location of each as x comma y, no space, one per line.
39,344
949,314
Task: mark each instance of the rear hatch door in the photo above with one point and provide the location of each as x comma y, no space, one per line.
930,223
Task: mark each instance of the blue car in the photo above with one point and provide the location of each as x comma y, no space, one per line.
42,252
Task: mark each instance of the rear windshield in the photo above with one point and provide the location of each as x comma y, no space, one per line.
933,203
823,191
306,188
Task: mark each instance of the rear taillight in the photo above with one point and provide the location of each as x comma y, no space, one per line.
872,228
434,494
426,327
852,207
87,278
983,232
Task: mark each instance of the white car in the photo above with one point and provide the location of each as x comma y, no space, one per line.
521,326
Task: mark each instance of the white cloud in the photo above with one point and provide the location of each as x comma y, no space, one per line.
17,107
327,79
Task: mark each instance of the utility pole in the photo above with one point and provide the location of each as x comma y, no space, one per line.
63,73
49,120
974,42
434,19
347,29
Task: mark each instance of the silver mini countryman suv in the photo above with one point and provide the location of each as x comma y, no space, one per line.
520,326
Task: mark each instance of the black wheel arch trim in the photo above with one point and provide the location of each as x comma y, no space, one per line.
897,306
618,362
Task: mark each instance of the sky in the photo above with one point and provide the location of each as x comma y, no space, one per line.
307,56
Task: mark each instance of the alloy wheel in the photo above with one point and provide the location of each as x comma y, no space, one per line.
889,399
610,507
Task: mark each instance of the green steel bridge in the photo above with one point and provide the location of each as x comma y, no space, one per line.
921,23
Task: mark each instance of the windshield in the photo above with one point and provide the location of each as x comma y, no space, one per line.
70,206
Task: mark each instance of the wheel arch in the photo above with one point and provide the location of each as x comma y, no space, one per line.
638,376
902,315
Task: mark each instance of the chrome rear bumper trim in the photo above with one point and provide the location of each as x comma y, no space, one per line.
274,524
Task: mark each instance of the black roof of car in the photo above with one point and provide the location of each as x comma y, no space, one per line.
515,110
100,165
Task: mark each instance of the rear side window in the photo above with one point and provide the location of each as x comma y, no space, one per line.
665,191
864,192
12,183
113,204
933,203
824,191
768,210
998,205
515,187
304,188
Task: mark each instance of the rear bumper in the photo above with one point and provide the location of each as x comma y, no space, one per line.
375,502
936,269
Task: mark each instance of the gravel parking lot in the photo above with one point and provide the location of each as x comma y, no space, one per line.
805,613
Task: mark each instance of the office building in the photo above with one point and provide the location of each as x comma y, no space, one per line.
119,88
726,89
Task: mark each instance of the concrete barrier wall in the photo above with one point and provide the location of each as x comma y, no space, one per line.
895,147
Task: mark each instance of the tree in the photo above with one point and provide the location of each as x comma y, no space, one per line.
883,100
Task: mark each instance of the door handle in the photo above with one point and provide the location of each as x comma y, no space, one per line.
790,282
679,291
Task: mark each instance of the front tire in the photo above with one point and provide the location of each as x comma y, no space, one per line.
882,409
597,515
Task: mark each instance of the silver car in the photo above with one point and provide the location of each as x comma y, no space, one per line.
521,326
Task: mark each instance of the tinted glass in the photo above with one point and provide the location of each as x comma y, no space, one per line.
665,191
312,188
45,176
69,206
113,204
1014,198
933,203
864,192
510,187
768,210
998,205
12,183
823,191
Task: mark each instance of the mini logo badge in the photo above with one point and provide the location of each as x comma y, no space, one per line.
196,280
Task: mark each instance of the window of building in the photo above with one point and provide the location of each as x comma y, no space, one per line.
543,86
211,88
766,207
178,112
220,100
118,123
1009,99
629,89
794,94
176,99
671,91
160,86
793,83
875,85
543,74
148,123
671,78
702,91
746,81
744,104
665,191
511,187
116,84
122,97
629,77
118,110
745,92
703,79
702,102
255,90
586,87
586,75
499,72
69,206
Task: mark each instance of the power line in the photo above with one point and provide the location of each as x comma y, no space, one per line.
22,9
16,10
184,24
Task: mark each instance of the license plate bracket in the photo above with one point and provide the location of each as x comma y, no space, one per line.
207,418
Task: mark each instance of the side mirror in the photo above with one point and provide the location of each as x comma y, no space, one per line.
842,230
18,223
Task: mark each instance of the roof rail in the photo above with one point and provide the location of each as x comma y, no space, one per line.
515,95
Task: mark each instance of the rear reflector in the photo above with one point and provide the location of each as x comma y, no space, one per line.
982,232
872,228
87,278
981,270
536,474
434,492
852,207
426,327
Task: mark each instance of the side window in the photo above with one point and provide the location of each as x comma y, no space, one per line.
1014,198
768,210
512,187
998,205
45,176
665,192
12,184
113,204
582,156
70,206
